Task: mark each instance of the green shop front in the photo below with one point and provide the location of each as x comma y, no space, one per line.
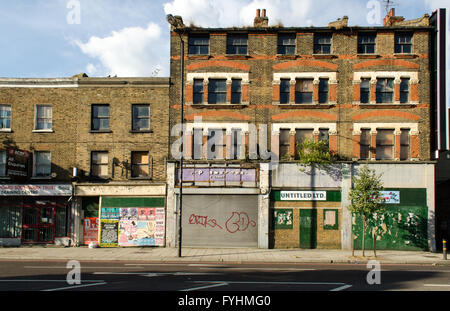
306,219
401,226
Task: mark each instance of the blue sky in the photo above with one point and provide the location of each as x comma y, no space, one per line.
48,38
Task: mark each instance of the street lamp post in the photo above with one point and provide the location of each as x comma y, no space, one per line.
176,23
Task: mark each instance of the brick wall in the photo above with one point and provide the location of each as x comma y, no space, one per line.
262,62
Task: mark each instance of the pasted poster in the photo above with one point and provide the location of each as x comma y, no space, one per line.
109,229
283,218
90,230
142,227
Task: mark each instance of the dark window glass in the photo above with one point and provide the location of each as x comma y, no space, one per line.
323,91
403,43
100,117
365,91
366,43
236,91
141,117
285,91
198,45
237,44
404,90
217,91
286,43
198,91
385,90
322,43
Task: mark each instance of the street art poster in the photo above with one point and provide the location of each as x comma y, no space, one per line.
127,232
109,229
142,227
110,213
90,230
283,218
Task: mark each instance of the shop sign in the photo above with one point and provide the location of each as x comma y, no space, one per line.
303,195
35,190
389,197
17,163
212,174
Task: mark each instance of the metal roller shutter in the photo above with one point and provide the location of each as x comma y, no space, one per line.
220,220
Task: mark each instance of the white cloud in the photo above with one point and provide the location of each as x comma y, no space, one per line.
219,13
130,52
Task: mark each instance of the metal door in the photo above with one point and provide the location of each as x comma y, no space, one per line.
38,225
308,218
220,220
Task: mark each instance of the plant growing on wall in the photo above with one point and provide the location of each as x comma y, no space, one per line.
365,200
311,152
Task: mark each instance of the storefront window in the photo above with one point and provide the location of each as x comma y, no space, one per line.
10,221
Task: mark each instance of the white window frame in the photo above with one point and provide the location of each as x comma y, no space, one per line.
35,129
396,75
10,118
35,164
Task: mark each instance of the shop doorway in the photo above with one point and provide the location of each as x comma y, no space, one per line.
38,224
308,229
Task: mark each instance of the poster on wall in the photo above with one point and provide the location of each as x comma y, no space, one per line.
90,230
109,229
142,227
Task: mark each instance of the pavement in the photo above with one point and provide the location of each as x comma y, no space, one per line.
222,255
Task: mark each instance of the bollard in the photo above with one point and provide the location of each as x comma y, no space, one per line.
444,249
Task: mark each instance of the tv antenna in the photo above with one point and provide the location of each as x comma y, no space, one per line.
388,4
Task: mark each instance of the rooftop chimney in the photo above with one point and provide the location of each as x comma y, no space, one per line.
261,20
390,19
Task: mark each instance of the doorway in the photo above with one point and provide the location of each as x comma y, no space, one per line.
308,230
38,224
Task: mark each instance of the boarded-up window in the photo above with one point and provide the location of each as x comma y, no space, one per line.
140,164
404,144
304,91
99,163
364,144
385,144
284,144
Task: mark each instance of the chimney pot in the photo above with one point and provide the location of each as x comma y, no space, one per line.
264,13
258,14
392,12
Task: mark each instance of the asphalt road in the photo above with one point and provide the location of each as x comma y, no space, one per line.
57,276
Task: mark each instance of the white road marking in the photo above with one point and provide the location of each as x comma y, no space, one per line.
340,288
65,281
73,286
437,285
262,269
204,287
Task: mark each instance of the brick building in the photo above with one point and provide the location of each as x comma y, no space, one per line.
365,90
95,148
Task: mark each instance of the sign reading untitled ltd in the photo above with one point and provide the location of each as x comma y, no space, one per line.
303,195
